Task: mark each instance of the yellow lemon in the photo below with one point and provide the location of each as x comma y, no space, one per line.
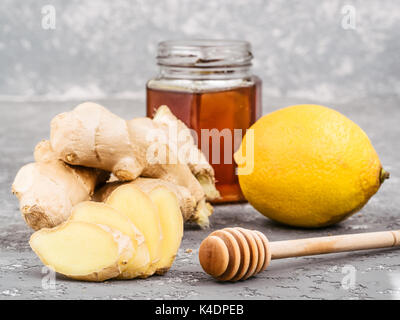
308,166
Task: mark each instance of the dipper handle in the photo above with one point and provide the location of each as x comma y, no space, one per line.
233,254
332,244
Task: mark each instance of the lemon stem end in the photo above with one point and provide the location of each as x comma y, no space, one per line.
384,175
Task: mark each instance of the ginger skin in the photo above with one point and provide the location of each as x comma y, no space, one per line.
48,188
193,156
90,141
92,136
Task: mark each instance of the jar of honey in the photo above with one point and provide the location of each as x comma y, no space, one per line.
208,84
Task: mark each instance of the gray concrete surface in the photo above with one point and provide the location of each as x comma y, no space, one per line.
377,273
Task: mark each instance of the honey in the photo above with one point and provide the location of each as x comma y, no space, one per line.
224,100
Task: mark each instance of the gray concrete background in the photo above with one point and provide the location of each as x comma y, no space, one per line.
104,50
377,273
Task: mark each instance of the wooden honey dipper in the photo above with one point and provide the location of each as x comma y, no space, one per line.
233,254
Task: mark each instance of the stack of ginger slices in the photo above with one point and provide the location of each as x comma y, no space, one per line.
132,234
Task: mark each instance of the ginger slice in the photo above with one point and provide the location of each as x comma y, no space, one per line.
83,251
192,211
186,201
171,225
138,207
101,213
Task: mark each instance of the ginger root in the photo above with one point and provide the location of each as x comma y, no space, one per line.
137,228
83,251
92,136
189,153
48,188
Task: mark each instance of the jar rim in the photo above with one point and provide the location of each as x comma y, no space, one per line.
204,53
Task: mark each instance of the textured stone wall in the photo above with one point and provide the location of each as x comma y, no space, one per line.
327,51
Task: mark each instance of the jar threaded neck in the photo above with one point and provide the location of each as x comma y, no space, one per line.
204,59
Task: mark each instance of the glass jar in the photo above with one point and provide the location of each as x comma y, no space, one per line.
208,84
